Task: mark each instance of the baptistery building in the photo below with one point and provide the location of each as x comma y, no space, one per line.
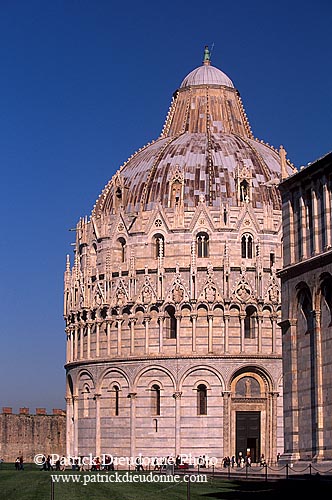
172,299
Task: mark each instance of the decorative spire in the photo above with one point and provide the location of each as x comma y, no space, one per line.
68,264
207,56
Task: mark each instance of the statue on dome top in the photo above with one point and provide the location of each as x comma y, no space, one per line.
207,56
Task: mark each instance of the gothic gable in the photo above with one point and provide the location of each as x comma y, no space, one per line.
177,292
147,294
210,292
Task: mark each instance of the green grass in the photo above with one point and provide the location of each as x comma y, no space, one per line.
34,484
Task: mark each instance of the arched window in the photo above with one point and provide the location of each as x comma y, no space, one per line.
122,247
244,191
170,323
118,193
159,245
202,242
115,400
246,246
201,400
250,323
176,193
118,198
155,399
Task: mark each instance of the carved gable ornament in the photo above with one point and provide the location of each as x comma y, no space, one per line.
272,293
210,292
120,296
243,291
98,295
177,292
147,294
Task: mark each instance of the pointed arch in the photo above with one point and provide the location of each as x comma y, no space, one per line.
120,250
170,323
305,306
326,302
250,322
247,242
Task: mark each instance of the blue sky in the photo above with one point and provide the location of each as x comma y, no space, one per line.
83,85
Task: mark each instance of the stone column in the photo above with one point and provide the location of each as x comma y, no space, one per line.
67,345
259,339
108,333
328,214
69,426
295,393
75,416
318,387
178,327
177,397
229,447
71,344
146,344
193,320
97,339
303,228
226,340
81,342
97,399
272,425
75,332
242,318
132,396
161,332
210,333
89,341
274,336
315,219
119,339
132,322
290,235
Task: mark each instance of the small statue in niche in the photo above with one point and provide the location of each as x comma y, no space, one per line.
248,388
274,294
120,297
146,295
244,195
210,293
177,294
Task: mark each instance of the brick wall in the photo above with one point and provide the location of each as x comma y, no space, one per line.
28,434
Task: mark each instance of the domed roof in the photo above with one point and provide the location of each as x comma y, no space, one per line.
207,75
207,147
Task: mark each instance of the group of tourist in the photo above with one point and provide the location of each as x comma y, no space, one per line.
19,463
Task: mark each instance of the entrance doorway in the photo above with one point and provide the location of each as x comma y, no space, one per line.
248,434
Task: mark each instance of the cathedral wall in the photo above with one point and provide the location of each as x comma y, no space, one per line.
307,311
307,366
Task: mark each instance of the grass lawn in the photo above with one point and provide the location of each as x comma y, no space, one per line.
34,484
